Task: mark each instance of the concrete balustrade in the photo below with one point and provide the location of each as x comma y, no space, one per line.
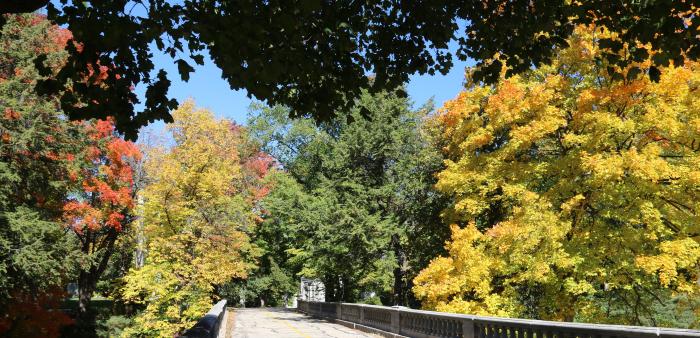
209,326
399,322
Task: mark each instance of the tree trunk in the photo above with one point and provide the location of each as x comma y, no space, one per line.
399,273
86,287
87,280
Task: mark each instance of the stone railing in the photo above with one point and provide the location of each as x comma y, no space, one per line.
399,322
208,326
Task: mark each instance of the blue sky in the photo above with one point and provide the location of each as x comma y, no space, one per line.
209,90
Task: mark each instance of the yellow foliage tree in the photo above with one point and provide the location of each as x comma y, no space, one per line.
196,217
576,195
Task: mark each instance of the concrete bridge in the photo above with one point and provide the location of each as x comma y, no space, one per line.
271,322
341,320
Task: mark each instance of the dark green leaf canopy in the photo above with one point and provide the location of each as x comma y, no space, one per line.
312,55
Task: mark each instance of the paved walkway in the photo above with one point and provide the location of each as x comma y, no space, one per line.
280,323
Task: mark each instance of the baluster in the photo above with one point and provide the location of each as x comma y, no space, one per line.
478,330
429,325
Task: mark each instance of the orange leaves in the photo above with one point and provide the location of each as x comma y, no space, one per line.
118,150
117,196
260,164
81,215
100,129
114,220
106,176
92,153
11,114
104,128
505,103
51,155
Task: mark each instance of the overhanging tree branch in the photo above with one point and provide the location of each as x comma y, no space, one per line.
21,6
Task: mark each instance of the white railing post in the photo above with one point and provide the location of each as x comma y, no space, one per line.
395,320
468,328
362,314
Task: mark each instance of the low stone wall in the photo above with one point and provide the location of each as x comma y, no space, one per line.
208,326
400,322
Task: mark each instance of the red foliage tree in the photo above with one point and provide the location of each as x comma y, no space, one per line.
101,207
34,315
256,164
53,171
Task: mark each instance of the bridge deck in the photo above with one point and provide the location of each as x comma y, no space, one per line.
281,323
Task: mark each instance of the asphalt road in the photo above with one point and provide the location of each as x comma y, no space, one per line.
279,323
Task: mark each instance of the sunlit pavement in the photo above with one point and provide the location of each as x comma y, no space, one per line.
272,322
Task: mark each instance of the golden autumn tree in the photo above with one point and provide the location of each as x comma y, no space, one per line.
576,195
196,213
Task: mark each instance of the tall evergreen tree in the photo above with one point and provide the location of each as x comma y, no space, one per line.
360,197
65,187
36,254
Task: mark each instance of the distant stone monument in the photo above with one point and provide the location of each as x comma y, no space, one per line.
312,290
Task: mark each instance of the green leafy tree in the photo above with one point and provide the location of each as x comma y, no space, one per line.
355,196
314,55
66,186
37,255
